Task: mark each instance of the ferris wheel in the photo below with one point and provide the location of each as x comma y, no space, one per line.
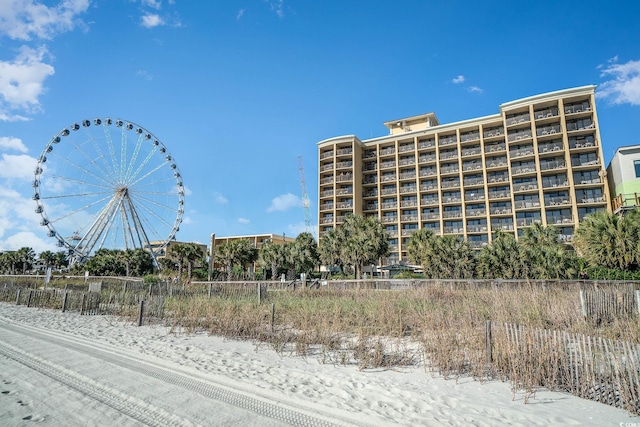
108,183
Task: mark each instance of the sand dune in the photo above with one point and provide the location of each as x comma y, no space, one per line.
66,369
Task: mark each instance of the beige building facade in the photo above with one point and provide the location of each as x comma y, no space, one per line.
538,160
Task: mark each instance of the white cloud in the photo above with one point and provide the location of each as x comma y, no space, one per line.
28,239
144,74
11,143
459,79
301,227
17,167
187,220
284,202
154,4
475,89
26,19
277,6
219,198
152,20
22,82
243,221
240,14
624,84
18,221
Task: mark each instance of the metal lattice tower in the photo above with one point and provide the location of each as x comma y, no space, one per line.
305,197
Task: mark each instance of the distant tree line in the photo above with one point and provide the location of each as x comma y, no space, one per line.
607,246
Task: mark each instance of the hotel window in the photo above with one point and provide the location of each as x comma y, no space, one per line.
636,165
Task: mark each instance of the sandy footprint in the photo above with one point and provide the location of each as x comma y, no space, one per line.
34,418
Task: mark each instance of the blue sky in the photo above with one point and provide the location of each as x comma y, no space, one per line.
237,90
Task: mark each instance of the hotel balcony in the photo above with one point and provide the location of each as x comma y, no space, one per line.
554,183
492,148
527,204
506,226
387,151
473,151
448,140
548,130
470,136
519,135
388,190
476,212
525,186
344,165
387,165
426,158
389,219
515,119
526,222
491,133
429,143
407,147
344,152
553,164
326,154
475,228
408,189
431,215
408,203
452,214
546,113
450,183
522,152
473,181
559,219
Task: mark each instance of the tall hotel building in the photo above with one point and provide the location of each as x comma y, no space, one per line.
538,160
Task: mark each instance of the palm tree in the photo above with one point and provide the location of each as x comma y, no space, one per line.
26,256
365,241
610,240
420,246
271,255
545,254
60,260
502,259
443,257
329,249
179,252
304,253
235,253
193,254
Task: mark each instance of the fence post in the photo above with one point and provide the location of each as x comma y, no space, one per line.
150,285
64,302
141,312
210,289
488,342
84,299
259,293
29,299
18,297
273,315
124,287
583,303
638,301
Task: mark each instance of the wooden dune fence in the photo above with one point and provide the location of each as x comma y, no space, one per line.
598,369
608,304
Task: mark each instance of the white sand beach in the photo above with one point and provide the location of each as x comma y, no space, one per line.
66,369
